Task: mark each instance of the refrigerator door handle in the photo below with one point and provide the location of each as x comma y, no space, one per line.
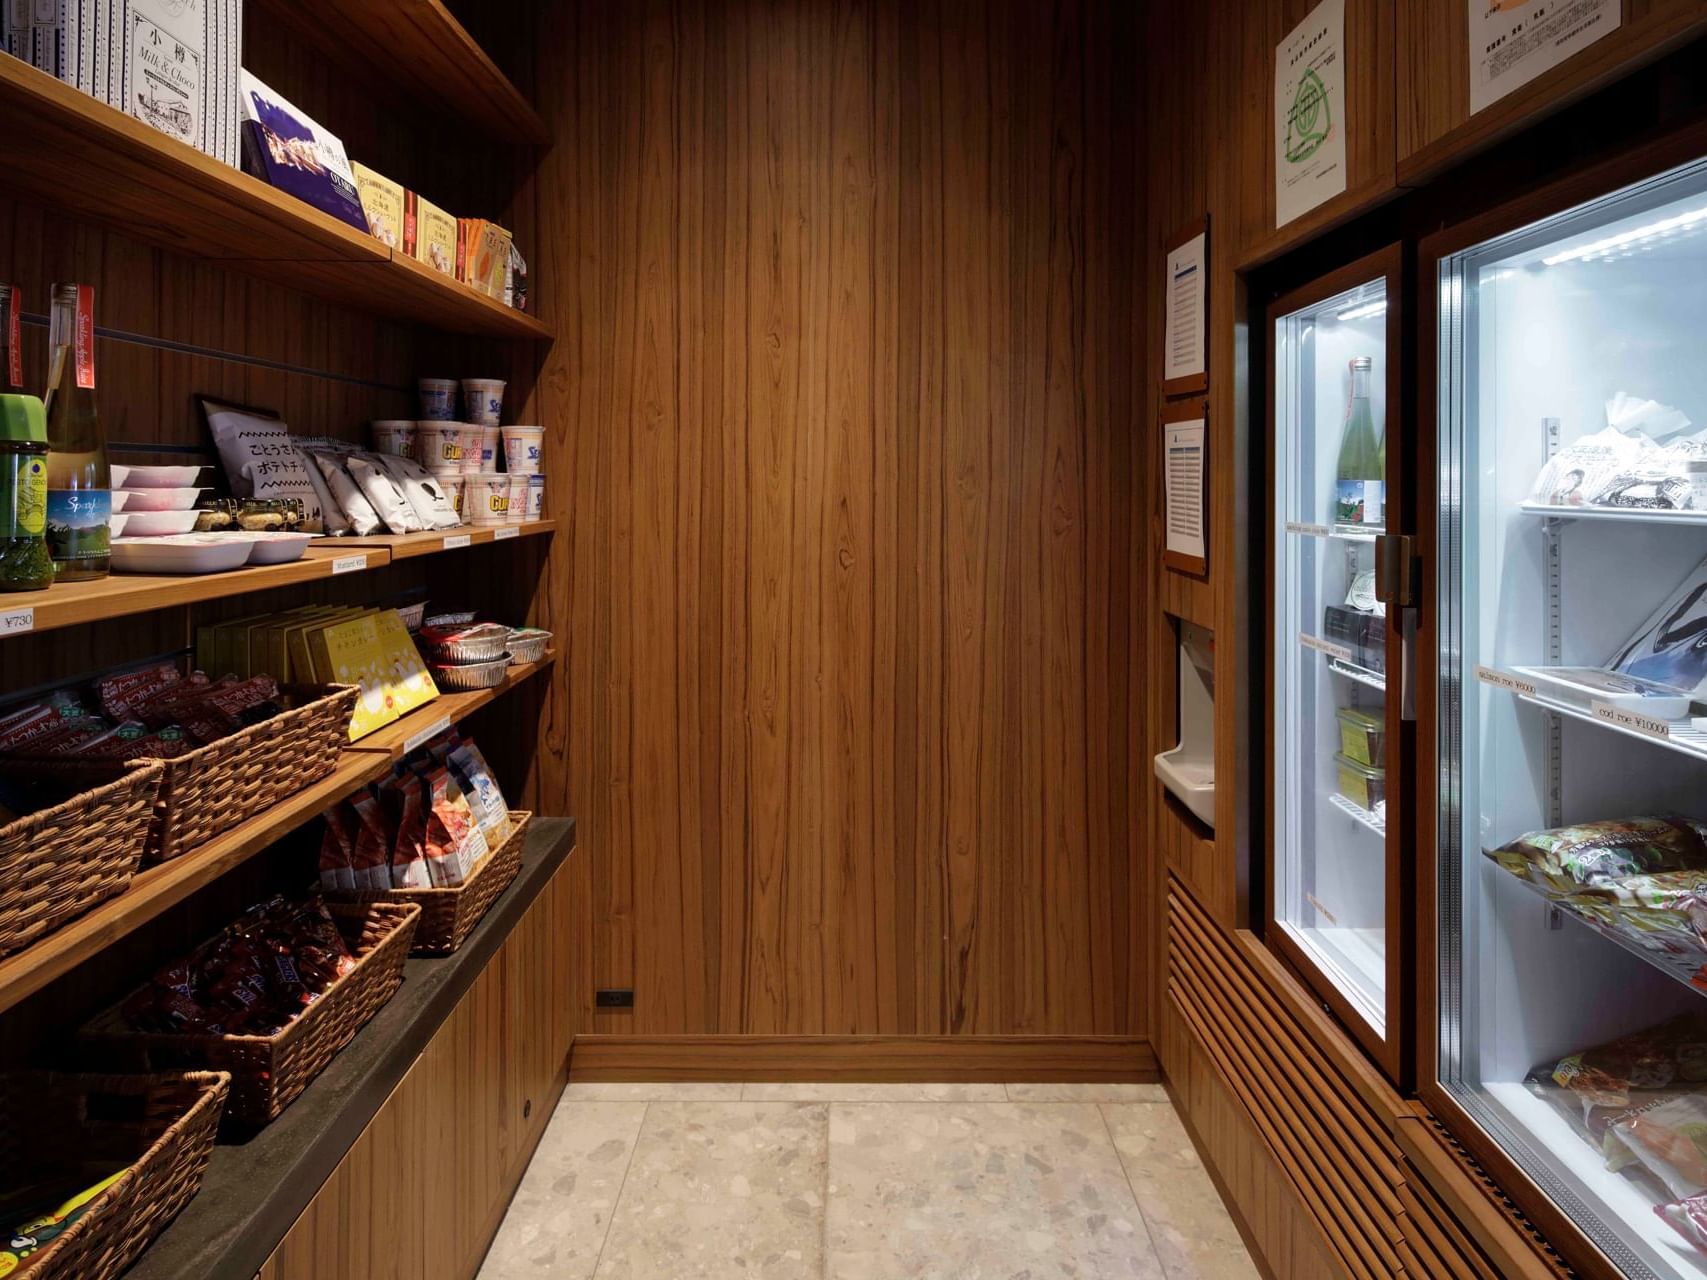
1397,570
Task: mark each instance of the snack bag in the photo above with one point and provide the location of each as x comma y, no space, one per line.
371,858
1567,859
1606,1083
409,854
455,842
337,846
474,775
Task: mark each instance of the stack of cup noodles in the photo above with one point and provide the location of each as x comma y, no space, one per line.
524,459
440,440
487,487
394,435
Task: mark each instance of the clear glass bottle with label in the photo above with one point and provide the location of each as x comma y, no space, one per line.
79,485
1359,479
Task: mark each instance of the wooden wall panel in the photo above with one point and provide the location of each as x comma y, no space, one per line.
848,588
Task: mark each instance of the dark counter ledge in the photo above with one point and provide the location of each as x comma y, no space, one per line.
255,1191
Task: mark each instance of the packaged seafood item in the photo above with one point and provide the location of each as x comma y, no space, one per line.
1668,1138
1566,859
1601,1086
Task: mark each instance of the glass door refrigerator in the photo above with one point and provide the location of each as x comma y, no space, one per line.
1563,903
1338,609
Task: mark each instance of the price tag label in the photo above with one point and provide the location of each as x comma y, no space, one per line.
423,736
1500,680
1326,646
1309,530
14,622
455,540
349,564
506,531
1631,720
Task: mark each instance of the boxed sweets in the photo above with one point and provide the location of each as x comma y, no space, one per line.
282,145
429,234
382,203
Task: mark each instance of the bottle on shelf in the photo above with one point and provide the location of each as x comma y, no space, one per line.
79,485
24,561
1361,471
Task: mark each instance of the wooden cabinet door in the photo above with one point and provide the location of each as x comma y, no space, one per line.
1433,72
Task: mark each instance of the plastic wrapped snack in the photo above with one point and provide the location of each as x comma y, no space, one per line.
1597,1088
1587,467
381,490
1687,1217
358,511
1565,860
485,798
1668,1138
424,493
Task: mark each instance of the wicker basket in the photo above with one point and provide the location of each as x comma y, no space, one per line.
449,915
269,1072
80,1127
59,862
210,790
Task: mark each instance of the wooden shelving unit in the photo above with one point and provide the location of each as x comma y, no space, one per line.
160,888
67,150
71,604
419,46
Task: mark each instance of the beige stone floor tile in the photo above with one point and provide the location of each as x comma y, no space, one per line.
722,1189
1192,1230
691,1091
557,1222
862,1092
980,1192
1086,1093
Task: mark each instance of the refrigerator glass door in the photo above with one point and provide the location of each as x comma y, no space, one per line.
1572,1014
1330,890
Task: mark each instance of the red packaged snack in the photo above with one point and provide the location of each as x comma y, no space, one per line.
409,852
1687,1217
117,692
454,840
1602,1085
168,744
24,732
336,847
371,858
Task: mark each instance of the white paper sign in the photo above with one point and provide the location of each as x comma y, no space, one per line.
1183,352
1513,41
1631,720
1327,646
426,735
349,564
1184,484
15,622
506,531
1500,680
1309,530
1309,113
455,540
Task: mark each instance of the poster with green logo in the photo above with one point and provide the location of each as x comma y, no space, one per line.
1309,113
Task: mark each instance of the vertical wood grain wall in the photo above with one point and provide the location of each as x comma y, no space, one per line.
841,414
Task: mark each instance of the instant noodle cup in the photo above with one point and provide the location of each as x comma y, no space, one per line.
524,450
517,498
491,448
438,445
438,399
394,435
485,400
536,498
486,498
452,484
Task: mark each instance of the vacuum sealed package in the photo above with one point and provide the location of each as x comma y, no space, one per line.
1670,647
1587,467
381,490
1599,1087
359,514
1565,860
1668,1138
424,493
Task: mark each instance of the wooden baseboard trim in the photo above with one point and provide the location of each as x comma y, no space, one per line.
879,1059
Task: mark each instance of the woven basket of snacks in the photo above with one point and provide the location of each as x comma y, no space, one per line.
242,769
128,1154
269,1067
63,858
448,915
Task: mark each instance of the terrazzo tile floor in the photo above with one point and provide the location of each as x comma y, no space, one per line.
866,1182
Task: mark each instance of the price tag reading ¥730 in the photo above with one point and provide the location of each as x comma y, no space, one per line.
506,531
1326,646
455,540
1500,680
349,564
423,736
1630,720
14,622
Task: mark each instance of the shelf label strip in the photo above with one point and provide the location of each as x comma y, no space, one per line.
455,540
421,736
1309,530
1500,680
1631,720
349,564
505,531
1327,646
14,622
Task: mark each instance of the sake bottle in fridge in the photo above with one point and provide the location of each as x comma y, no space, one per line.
79,487
1358,489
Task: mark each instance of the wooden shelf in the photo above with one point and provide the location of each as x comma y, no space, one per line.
420,46
398,739
68,151
406,545
157,889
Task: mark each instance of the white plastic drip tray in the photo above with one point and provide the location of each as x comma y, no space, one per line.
1192,780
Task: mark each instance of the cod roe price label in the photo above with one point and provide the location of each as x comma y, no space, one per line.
1501,680
1634,720
455,540
423,736
506,531
1326,646
349,564
15,622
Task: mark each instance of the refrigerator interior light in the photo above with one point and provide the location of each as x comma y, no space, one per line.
1363,311
1635,237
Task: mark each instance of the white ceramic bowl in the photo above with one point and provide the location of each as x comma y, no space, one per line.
155,499
156,524
276,548
152,477
187,553
116,523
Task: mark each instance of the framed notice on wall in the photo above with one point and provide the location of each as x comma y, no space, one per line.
1185,331
1185,496
1309,113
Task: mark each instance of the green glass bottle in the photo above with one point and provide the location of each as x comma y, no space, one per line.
1359,477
